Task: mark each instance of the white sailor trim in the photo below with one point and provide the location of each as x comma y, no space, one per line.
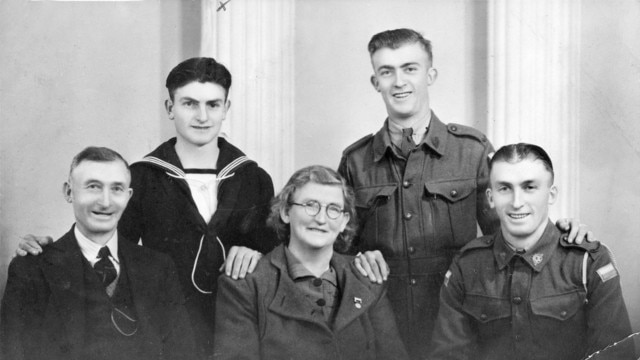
163,164
224,173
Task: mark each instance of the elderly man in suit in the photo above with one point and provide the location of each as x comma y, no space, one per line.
92,294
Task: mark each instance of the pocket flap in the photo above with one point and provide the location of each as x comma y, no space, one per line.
560,307
366,197
452,190
485,309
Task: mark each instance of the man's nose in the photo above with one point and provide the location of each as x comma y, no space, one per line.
202,114
105,199
518,200
399,80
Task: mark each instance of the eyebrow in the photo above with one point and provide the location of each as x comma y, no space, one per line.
188,98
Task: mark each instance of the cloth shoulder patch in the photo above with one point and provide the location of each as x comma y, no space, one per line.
446,278
607,272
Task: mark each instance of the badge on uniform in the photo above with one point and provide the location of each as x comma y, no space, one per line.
446,278
537,258
357,302
607,272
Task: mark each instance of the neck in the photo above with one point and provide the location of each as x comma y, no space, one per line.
412,121
315,260
100,239
524,242
202,157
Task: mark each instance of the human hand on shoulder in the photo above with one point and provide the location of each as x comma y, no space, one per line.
577,232
32,244
240,261
372,265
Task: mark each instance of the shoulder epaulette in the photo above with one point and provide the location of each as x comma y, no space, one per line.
585,245
357,144
478,243
462,130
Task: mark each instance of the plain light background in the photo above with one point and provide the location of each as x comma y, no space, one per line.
74,74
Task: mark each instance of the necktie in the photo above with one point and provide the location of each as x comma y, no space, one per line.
407,143
104,267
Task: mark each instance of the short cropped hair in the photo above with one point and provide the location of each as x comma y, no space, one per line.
514,153
200,69
394,39
319,175
99,154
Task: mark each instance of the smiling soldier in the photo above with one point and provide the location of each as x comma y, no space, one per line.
525,292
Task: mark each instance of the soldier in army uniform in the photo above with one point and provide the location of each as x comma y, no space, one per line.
419,186
525,292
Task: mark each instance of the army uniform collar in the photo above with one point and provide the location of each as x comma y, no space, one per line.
536,257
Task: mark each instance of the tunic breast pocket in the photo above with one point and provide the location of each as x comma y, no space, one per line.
454,204
376,215
559,310
492,314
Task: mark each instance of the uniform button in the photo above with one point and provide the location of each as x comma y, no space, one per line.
408,216
563,313
413,281
406,184
317,282
412,250
517,300
454,128
483,317
321,302
518,337
454,193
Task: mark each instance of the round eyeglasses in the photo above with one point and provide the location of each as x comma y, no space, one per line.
312,208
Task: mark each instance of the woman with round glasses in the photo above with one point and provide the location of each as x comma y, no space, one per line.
305,301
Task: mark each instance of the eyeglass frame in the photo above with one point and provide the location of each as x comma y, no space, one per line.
308,207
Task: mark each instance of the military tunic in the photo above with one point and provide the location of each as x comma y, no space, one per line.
418,212
501,304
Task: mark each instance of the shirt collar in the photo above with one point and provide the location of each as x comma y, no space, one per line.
419,130
537,256
435,138
90,249
299,271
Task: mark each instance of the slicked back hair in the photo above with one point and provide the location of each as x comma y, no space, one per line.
514,153
394,39
319,175
200,69
99,154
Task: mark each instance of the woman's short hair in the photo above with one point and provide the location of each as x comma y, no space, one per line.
319,175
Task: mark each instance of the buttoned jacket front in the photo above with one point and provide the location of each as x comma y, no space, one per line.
266,316
418,218
497,304
44,306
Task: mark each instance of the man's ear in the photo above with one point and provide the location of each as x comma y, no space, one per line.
374,82
168,105
432,75
553,194
66,191
490,198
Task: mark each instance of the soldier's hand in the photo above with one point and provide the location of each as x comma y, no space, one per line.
32,244
240,262
577,232
372,265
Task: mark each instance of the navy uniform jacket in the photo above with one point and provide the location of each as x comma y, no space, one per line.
266,316
44,304
163,214
419,218
496,304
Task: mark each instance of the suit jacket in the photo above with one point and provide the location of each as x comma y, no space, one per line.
43,310
266,316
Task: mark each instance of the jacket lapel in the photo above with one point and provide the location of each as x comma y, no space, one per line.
289,302
356,297
63,269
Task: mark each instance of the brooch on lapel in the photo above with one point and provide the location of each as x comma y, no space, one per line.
357,302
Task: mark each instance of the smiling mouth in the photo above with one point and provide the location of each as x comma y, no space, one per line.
402,95
201,127
317,230
518,216
101,214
